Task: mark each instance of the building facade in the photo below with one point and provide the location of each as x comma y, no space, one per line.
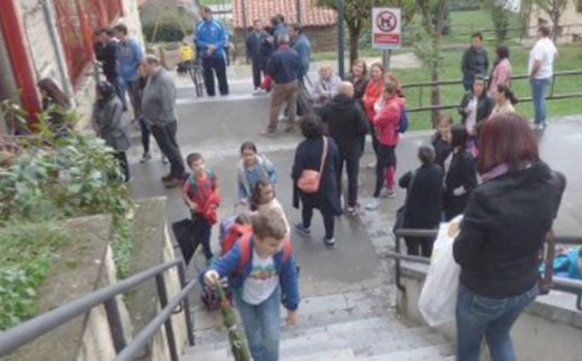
54,38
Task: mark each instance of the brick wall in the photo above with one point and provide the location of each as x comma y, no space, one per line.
322,38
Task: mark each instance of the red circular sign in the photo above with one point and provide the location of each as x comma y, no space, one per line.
386,21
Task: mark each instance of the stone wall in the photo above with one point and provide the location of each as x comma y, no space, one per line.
551,327
571,16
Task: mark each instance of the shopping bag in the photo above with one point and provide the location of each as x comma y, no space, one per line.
438,298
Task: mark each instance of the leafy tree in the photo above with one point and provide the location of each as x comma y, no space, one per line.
428,49
554,9
357,15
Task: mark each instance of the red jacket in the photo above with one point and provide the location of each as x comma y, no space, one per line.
372,94
387,120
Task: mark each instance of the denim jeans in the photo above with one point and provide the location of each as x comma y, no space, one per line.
492,318
261,324
538,94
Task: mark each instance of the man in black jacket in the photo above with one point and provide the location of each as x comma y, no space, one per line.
347,125
254,44
106,53
475,61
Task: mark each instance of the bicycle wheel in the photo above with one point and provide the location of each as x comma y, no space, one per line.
198,83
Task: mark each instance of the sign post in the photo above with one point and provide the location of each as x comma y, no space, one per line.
386,31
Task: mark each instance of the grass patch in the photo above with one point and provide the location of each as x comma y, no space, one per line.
122,246
26,254
570,58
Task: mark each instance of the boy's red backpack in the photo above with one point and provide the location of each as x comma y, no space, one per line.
245,251
235,232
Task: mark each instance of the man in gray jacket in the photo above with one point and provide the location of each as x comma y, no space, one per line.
158,111
475,61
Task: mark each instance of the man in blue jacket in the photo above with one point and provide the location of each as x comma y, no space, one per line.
254,45
300,43
283,68
129,57
211,40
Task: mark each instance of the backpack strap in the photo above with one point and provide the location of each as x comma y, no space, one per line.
287,249
245,251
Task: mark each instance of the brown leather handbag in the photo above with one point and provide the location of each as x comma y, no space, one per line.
309,181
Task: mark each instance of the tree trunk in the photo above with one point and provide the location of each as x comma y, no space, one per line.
354,40
436,92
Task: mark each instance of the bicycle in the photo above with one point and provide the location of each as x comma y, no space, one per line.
195,72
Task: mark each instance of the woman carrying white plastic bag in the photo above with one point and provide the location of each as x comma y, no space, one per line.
438,298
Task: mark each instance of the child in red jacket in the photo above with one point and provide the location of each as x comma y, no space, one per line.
386,123
201,194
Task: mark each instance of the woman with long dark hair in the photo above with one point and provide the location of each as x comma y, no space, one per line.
504,100
460,178
476,106
501,72
359,78
502,231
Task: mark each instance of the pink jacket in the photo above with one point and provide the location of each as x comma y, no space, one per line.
387,120
500,75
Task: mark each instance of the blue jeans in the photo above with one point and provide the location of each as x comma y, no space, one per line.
261,323
538,95
492,318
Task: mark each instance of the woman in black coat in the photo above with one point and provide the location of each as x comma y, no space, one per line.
461,177
422,209
476,106
326,199
502,232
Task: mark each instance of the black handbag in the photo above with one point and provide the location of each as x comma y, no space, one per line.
401,212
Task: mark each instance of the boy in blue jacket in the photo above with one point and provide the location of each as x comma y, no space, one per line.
262,271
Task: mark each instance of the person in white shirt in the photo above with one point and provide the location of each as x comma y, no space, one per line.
540,70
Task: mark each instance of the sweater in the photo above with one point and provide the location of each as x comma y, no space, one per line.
387,120
323,86
284,65
159,99
227,266
372,94
503,229
475,62
347,124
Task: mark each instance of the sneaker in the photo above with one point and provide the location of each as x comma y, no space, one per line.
258,91
352,211
267,133
386,193
302,230
164,159
373,204
173,182
145,157
330,243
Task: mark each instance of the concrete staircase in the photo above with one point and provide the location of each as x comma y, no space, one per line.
349,326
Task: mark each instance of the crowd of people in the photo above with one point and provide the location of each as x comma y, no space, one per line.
486,167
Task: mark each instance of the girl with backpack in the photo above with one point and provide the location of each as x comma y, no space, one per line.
251,168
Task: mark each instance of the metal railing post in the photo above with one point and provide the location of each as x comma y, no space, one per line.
186,304
115,325
163,294
397,263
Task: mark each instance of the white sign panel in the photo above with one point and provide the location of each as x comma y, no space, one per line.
386,28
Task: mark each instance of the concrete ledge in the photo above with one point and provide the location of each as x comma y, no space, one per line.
549,327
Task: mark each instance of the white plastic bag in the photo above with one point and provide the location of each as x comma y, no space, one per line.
438,299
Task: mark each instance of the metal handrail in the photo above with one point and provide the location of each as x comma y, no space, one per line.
558,283
550,96
19,335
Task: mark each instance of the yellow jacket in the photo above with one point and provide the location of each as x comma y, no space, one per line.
186,53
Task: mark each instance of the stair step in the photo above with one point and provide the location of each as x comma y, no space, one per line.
381,324
431,353
336,355
363,344
210,355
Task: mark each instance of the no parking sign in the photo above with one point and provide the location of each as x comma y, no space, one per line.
386,28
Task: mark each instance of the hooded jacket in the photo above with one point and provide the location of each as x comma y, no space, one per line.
503,229
387,120
346,122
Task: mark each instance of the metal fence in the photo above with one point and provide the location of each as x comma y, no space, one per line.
26,332
552,95
560,284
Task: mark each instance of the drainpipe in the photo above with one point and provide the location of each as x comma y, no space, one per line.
55,40
19,58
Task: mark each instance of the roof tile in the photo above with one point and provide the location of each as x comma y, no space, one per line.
311,15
